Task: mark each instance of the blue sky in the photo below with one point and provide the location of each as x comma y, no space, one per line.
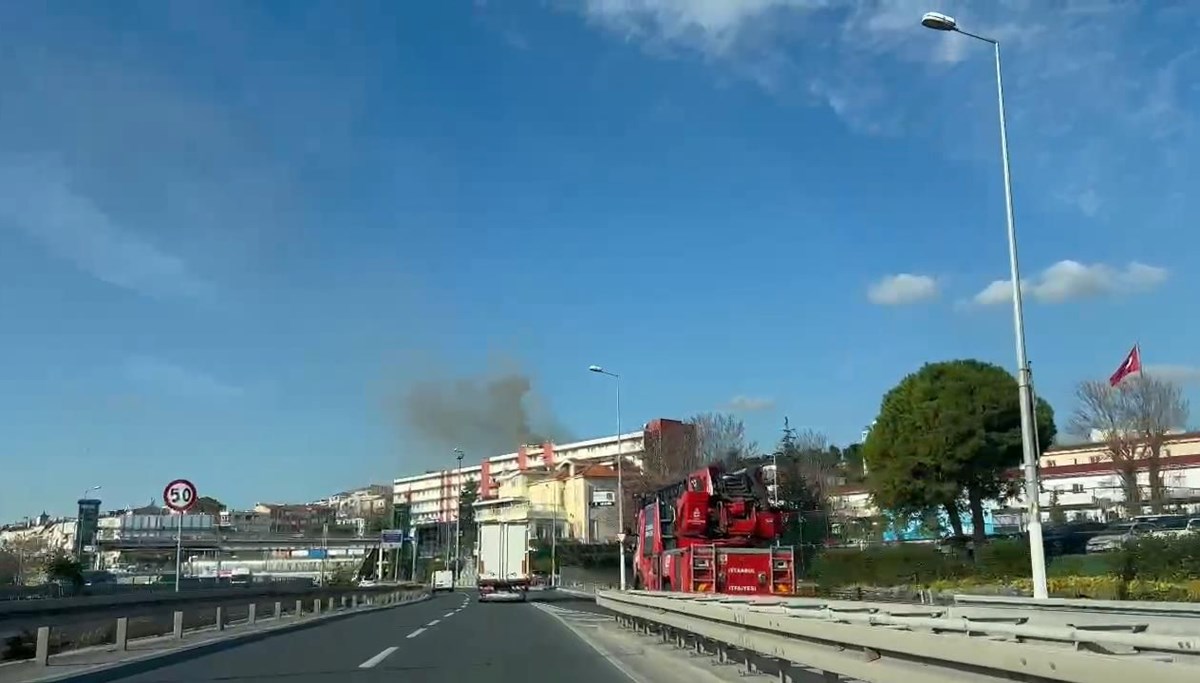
234,238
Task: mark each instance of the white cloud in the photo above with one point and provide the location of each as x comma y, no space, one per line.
36,197
901,289
163,376
1180,374
871,63
1071,280
748,404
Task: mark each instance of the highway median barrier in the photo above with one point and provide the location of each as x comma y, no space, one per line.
120,633
798,638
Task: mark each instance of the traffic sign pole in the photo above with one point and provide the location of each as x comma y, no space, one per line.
178,551
179,496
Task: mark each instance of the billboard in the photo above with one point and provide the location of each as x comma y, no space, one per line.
391,538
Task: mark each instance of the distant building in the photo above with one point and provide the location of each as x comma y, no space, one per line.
1080,480
435,495
297,519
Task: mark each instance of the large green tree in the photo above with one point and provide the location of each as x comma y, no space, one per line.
946,436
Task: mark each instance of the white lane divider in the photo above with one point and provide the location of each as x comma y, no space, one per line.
447,615
433,623
416,633
377,658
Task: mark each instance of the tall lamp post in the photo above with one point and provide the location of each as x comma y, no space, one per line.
620,479
458,455
942,22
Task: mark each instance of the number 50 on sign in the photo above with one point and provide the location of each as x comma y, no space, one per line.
180,495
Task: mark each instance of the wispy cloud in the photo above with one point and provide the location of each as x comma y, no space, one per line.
36,198
902,289
156,374
1180,374
1103,73
1071,280
750,404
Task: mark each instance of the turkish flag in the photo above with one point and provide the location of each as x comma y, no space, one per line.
1132,364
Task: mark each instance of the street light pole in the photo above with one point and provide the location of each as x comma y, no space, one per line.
620,477
458,517
1029,441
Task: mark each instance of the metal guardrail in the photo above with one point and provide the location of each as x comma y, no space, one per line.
40,643
82,605
55,591
1124,607
906,643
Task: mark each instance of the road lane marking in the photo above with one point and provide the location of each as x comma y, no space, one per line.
377,658
433,623
416,633
447,615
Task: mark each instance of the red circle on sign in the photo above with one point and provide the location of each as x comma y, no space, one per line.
180,495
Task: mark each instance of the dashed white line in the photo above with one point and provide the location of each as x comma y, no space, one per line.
433,623
377,658
416,633
447,615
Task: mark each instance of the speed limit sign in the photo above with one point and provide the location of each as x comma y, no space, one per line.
180,495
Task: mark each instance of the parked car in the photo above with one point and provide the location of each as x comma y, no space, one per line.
1118,534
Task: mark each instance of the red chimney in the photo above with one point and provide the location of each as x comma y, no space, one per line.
522,458
548,454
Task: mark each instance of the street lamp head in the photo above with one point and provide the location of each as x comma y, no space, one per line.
595,368
939,22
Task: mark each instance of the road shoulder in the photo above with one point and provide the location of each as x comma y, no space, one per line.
642,659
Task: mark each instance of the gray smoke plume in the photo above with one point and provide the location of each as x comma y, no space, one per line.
485,416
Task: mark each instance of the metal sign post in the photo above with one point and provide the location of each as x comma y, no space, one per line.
179,496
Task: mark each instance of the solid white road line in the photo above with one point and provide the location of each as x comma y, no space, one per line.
377,658
416,633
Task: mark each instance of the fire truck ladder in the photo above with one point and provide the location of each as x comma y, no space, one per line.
704,569
783,568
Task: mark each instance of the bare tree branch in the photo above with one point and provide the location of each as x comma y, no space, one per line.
721,437
1132,420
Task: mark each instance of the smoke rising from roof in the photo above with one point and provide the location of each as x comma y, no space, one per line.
484,416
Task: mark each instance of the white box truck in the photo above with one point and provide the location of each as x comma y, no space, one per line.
503,562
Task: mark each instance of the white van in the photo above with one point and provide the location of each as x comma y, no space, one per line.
443,580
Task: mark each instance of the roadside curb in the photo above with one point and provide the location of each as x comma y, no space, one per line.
140,663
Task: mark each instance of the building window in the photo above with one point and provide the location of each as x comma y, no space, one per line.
1094,459
1076,488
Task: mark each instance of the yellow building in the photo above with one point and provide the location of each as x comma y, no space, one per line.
577,501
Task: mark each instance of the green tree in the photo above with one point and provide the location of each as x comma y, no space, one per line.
466,515
1058,516
804,468
64,569
945,434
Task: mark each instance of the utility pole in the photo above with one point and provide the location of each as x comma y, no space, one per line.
458,517
324,551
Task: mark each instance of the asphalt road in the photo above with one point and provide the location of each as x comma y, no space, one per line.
448,638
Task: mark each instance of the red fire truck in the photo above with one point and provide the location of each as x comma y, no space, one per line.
713,532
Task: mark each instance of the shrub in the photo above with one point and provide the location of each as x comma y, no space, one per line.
1003,559
898,565
1152,568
